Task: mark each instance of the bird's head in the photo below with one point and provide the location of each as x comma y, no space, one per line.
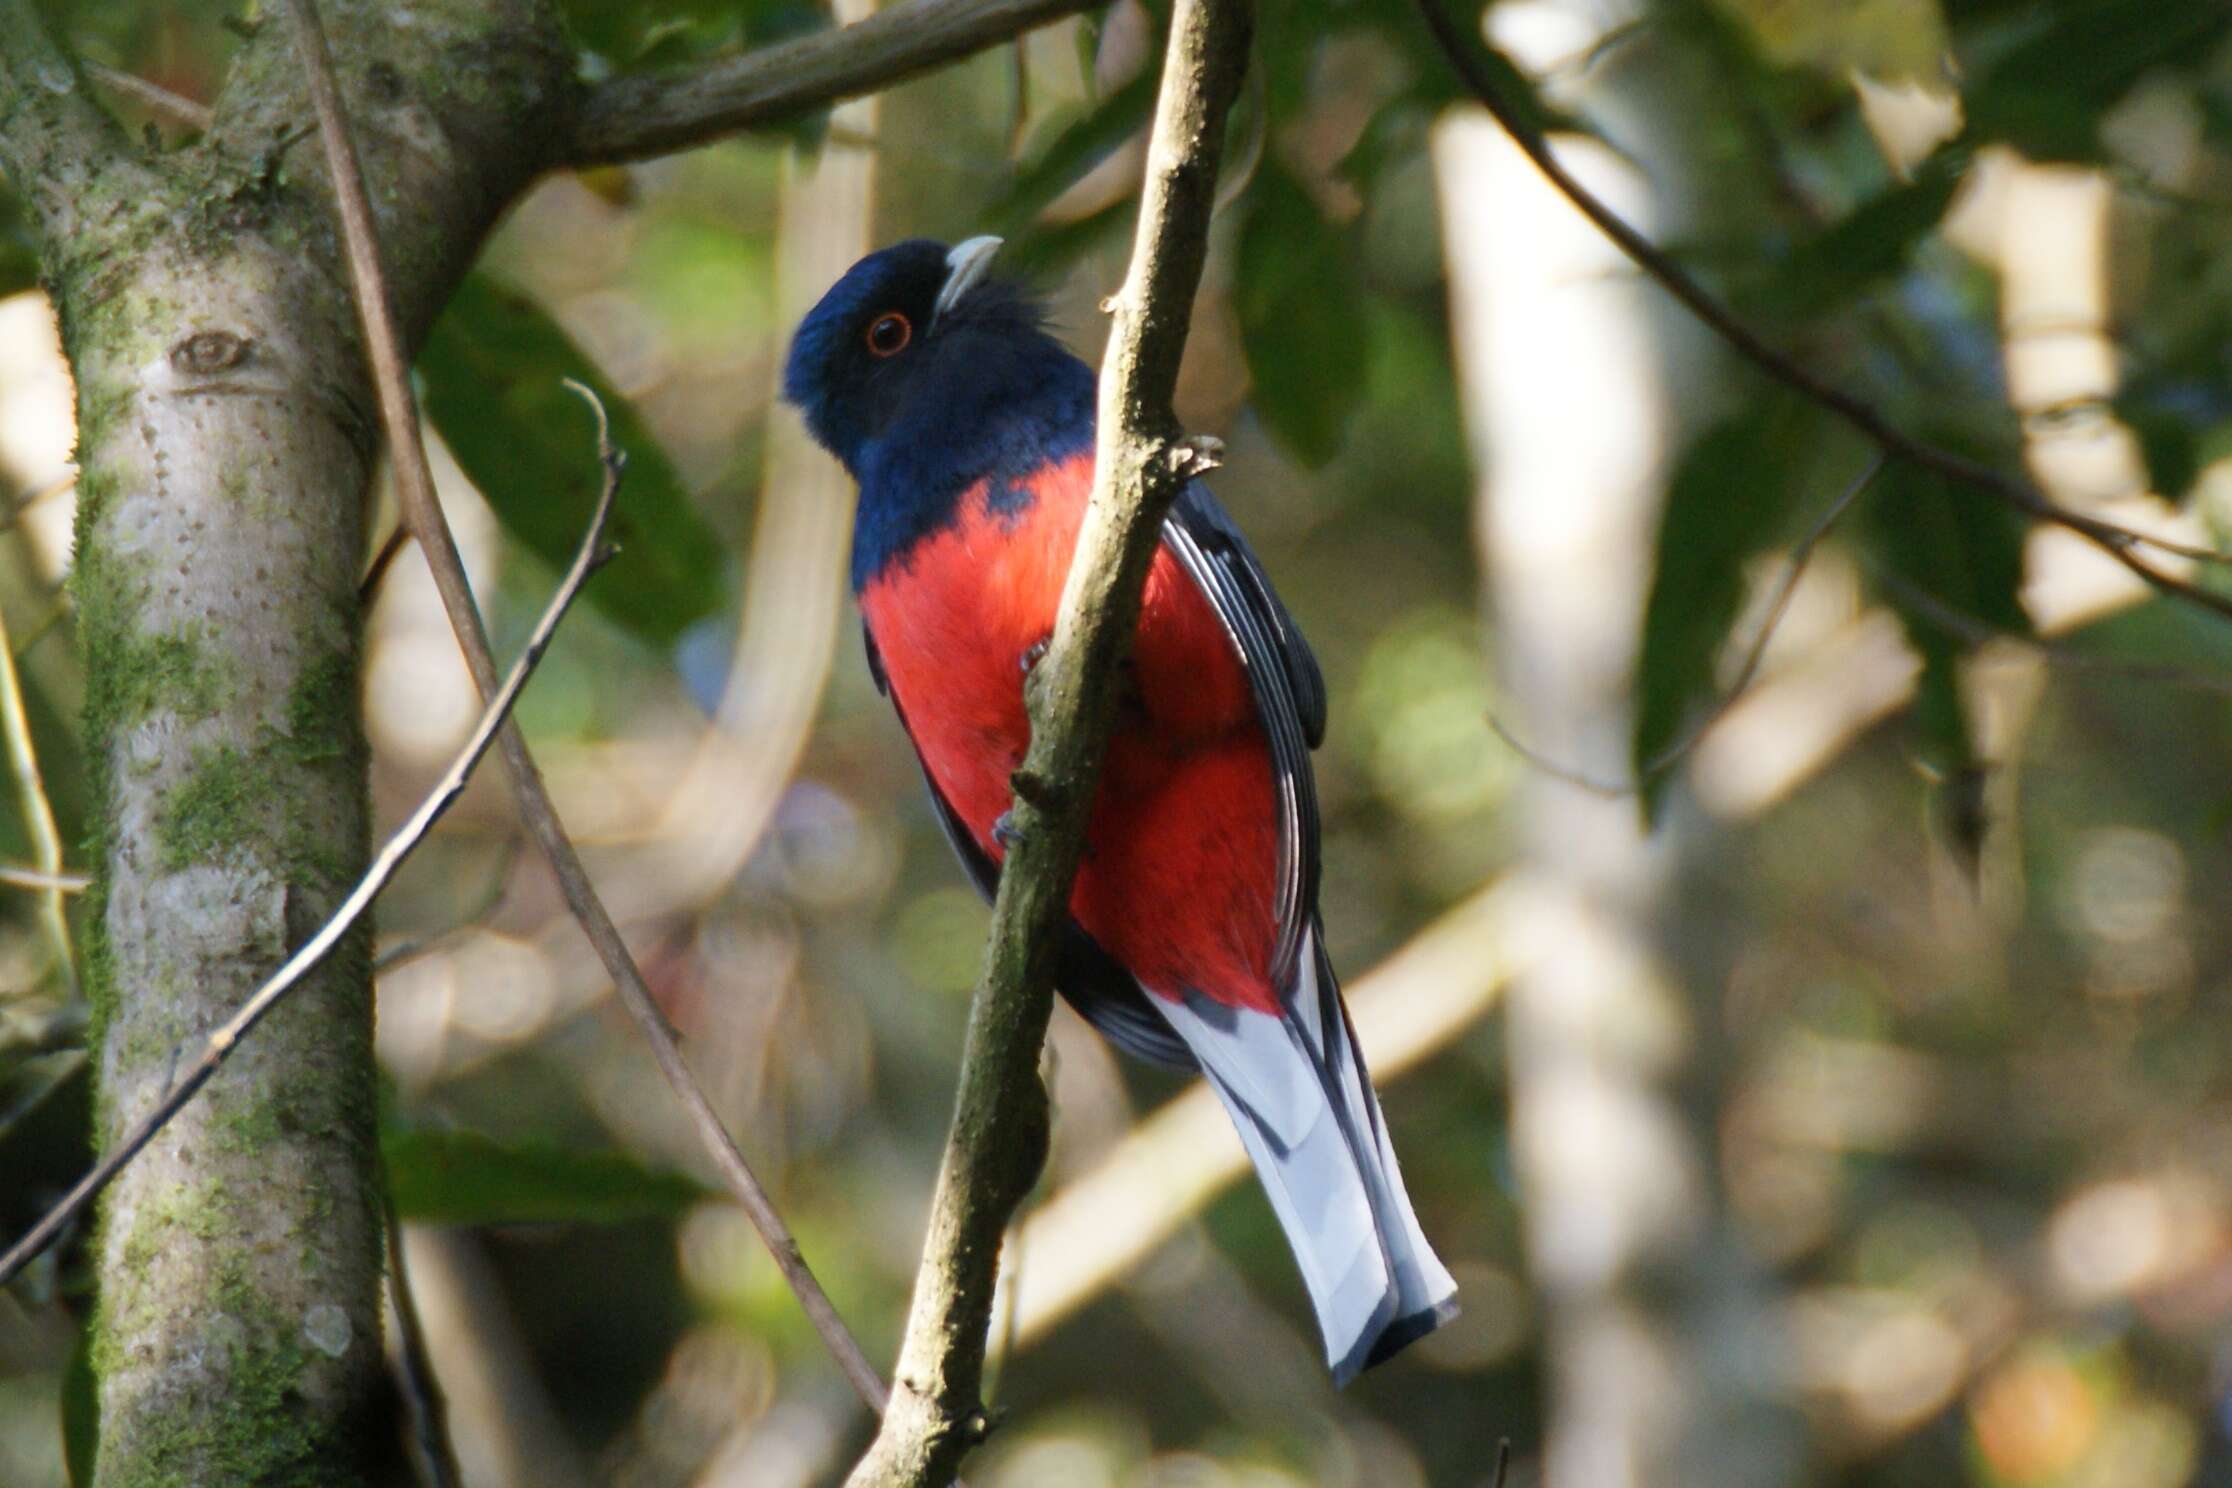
903,321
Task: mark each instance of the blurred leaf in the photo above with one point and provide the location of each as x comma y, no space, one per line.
2168,440
459,1177
1302,323
1871,244
493,370
19,253
2045,95
1947,554
81,1411
1077,147
1887,39
1730,498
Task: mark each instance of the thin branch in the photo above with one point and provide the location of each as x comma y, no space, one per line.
1794,569
154,97
2120,543
422,1391
16,876
406,840
630,118
38,811
2059,655
376,571
998,1137
422,514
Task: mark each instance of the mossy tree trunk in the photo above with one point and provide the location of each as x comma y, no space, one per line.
226,443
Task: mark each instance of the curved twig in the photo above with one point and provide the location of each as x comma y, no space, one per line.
422,514
2123,544
406,840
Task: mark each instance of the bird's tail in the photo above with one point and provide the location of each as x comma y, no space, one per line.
1296,1089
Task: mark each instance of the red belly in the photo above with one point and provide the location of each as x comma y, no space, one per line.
1181,856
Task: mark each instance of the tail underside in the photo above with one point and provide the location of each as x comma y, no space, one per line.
1296,1089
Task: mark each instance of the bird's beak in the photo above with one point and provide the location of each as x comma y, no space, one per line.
966,266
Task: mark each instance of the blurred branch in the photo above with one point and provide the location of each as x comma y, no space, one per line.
156,98
2123,544
38,811
998,1138
1176,1161
16,876
422,514
632,117
1794,569
226,1038
375,572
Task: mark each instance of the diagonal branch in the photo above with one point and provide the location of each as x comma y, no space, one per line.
998,1138
422,515
227,1036
2123,544
630,118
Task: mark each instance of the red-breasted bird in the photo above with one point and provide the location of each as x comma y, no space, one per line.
1194,938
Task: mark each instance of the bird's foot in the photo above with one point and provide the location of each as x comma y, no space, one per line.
1035,654
1005,831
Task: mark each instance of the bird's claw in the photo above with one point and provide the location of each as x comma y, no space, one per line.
1035,654
1005,831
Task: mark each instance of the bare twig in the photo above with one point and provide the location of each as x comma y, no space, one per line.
406,840
376,571
630,118
38,811
1503,1463
2123,544
422,514
1794,569
998,1138
2060,655
422,1391
156,98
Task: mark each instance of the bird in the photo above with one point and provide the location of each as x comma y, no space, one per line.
1193,938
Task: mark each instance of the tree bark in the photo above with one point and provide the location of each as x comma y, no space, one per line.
225,447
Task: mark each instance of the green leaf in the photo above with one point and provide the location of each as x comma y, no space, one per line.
1731,498
465,1178
1948,554
2047,93
493,372
1302,323
1872,243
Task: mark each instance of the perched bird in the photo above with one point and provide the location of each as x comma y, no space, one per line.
1193,938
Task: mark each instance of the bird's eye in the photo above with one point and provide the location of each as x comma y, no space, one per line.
889,334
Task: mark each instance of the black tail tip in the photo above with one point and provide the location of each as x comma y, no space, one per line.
1399,1334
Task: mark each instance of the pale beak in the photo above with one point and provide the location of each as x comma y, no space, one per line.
966,266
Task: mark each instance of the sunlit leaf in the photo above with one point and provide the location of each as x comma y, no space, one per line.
465,1178
1888,39
1731,498
493,371
1078,146
1302,323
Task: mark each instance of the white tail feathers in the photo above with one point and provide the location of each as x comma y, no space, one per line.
1297,1092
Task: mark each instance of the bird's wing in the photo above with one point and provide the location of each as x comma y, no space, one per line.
1289,693
1103,993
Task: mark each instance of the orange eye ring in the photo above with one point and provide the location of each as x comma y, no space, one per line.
889,334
